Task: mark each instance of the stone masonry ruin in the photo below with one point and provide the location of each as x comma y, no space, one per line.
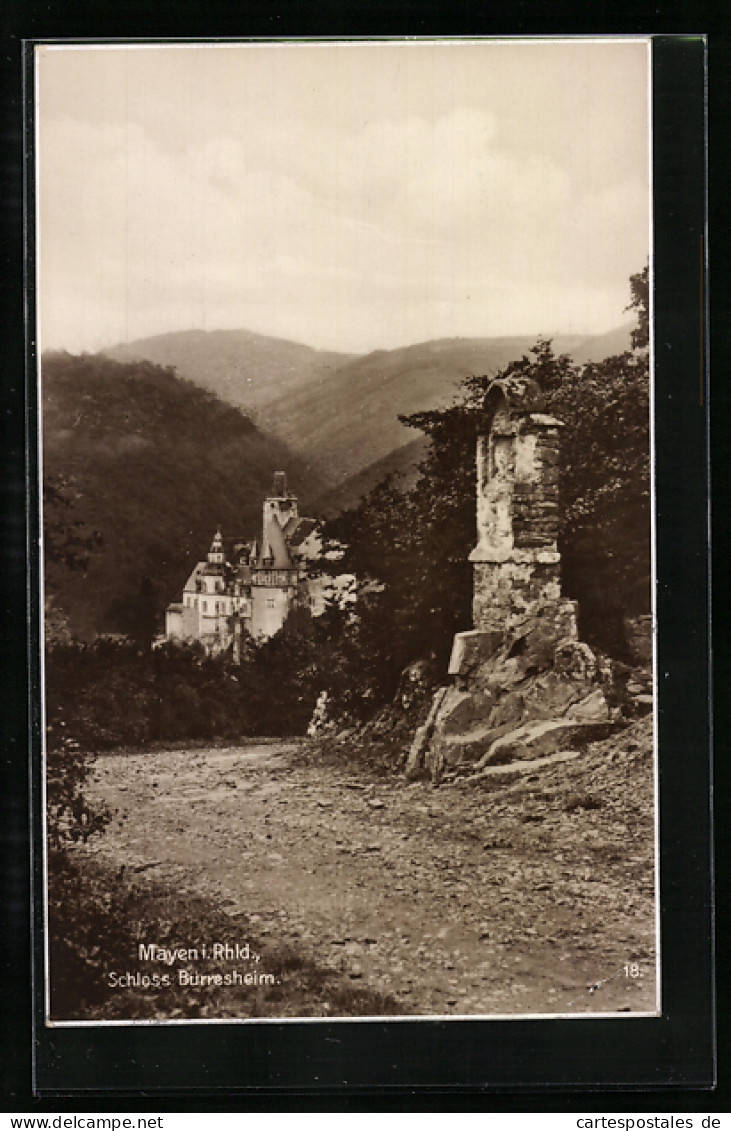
516,561
524,687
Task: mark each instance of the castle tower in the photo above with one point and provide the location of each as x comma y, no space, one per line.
273,582
280,503
216,555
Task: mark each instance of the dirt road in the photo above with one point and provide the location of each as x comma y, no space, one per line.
528,893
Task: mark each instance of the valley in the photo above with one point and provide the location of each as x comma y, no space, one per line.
338,412
183,432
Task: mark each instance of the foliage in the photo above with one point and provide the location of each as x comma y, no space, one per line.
605,536
68,542
640,303
606,511
136,615
112,693
409,549
67,539
140,465
72,818
98,919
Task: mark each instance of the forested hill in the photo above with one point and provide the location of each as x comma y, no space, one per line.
143,465
350,419
340,411
246,369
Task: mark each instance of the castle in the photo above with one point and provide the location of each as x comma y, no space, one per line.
251,590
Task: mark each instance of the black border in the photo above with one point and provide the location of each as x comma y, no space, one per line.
674,1052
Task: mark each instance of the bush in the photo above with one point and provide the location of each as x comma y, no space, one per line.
112,694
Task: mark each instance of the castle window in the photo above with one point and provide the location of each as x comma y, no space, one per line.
270,602
203,605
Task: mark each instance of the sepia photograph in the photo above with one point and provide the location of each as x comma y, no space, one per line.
345,387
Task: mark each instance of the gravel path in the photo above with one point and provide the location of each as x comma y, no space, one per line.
523,894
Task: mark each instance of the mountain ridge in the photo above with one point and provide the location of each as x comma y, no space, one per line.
339,411
241,366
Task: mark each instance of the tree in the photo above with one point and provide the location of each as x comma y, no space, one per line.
72,817
605,527
135,613
640,303
68,543
409,550
67,540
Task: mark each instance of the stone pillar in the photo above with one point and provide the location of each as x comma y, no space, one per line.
516,563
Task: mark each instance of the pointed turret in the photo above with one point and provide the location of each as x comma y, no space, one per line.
216,555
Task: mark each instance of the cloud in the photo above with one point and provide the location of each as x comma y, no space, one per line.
403,227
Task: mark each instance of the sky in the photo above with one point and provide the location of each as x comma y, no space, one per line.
350,196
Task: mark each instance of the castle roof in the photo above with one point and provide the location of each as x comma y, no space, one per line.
274,549
197,571
297,529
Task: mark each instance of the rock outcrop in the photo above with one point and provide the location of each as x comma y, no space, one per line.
524,687
530,697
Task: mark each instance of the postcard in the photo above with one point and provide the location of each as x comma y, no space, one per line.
347,438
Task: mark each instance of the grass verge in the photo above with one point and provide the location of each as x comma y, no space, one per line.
99,920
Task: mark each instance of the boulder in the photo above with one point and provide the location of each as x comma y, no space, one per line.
487,745
422,739
461,710
509,709
454,749
419,747
524,767
575,660
538,739
643,704
498,675
470,649
550,696
593,708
